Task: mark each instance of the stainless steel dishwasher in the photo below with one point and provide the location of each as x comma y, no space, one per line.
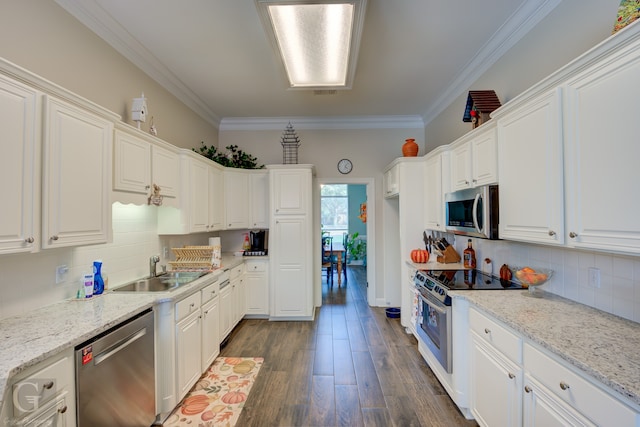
115,375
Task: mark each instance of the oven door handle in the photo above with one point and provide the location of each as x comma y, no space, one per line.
436,305
475,212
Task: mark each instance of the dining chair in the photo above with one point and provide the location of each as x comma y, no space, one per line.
327,257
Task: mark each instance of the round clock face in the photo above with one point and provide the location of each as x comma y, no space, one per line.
345,166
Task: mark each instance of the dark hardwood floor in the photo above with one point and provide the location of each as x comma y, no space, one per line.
352,366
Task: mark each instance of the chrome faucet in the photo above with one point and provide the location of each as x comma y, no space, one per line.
152,265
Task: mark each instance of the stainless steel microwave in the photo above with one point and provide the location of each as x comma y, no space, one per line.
473,212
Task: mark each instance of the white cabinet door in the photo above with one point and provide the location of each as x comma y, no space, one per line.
292,297
392,182
199,195
236,199
461,167
226,310
257,287
531,171
239,298
76,177
188,352
165,170
18,133
601,156
131,163
543,409
484,162
216,199
433,201
290,191
474,160
54,414
259,187
210,332
496,386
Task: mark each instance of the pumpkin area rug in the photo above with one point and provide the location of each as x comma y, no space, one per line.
219,395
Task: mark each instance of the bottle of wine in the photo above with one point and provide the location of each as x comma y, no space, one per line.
469,256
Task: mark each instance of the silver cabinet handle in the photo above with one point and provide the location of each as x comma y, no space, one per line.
466,182
511,376
552,233
29,240
487,330
573,235
54,237
47,386
147,187
527,389
564,386
63,409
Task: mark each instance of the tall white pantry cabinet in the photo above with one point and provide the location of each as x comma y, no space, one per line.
291,242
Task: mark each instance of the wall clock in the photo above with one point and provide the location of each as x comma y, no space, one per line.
345,166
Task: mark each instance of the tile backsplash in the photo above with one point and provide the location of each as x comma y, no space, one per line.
619,291
27,281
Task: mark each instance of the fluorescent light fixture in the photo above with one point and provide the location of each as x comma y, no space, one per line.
318,41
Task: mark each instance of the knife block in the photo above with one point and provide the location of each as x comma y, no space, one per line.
449,255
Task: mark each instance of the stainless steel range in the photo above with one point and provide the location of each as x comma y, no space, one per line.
433,323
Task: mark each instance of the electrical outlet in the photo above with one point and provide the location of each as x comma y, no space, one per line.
61,273
594,277
165,252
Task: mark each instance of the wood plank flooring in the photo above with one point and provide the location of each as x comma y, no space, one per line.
352,366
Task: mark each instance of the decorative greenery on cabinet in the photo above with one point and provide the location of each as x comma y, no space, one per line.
233,157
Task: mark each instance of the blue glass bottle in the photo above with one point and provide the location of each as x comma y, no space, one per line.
98,282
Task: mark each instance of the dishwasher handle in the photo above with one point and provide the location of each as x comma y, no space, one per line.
120,345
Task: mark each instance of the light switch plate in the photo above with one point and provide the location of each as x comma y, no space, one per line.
594,277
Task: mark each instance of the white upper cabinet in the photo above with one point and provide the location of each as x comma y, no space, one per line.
199,195
601,154
474,158
259,189
436,169
236,199
76,176
216,198
290,192
530,164
392,181
138,163
19,132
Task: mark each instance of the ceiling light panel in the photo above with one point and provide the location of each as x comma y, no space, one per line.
317,41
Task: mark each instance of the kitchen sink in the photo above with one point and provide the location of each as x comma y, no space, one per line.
165,282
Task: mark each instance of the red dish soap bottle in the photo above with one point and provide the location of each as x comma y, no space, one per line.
469,256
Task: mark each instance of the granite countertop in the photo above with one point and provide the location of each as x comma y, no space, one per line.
603,346
32,337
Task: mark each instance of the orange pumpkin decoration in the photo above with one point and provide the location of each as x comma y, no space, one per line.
420,256
232,360
195,404
234,397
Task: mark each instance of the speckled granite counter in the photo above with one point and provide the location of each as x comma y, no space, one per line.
601,345
34,336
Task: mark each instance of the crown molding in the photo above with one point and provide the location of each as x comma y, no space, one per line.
97,20
320,123
512,31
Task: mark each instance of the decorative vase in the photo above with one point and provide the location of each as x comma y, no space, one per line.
410,148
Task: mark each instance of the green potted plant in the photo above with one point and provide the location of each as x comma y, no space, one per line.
356,249
233,157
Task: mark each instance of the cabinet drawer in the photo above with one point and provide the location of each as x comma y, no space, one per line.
210,292
38,388
584,395
255,266
236,271
187,306
499,336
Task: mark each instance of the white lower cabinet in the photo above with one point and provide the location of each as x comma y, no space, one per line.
43,395
256,283
210,324
515,383
496,386
188,346
226,308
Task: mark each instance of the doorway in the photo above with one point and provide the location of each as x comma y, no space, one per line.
368,226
